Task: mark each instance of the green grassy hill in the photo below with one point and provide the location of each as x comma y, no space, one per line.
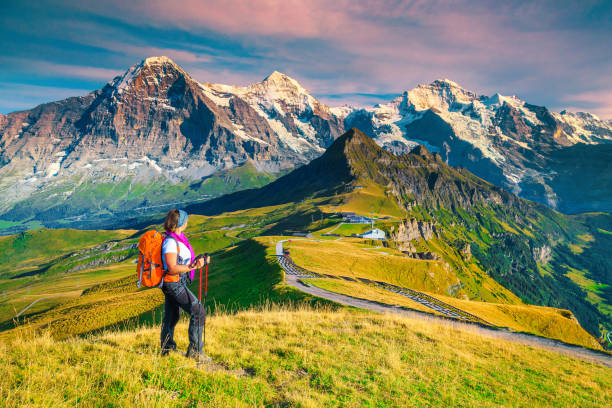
100,204
247,274
486,245
241,276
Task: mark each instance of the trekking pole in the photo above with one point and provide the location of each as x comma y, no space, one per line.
200,299
200,289
205,293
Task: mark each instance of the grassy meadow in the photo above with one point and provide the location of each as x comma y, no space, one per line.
542,321
271,344
304,357
243,275
356,259
240,276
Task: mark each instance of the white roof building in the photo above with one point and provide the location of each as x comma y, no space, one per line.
374,233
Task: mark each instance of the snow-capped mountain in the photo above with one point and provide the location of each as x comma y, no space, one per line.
156,124
500,138
298,119
155,134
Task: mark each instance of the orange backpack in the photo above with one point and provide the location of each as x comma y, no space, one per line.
150,268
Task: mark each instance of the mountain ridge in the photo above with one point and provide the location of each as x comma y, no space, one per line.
156,125
152,125
504,140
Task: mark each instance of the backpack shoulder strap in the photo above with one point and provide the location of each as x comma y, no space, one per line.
166,272
174,239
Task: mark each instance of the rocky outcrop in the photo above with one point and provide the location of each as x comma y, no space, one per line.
542,254
466,252
99,261
425,256
101,255
412,229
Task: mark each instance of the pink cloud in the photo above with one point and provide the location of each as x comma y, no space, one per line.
80,71
599,100
386,45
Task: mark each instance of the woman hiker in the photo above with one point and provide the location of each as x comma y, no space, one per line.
177,257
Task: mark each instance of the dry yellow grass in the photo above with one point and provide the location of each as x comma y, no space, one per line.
305,358
344,258
543,321
362,291
93,311
348,258
59,289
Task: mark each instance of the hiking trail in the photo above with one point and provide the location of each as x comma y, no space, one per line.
452,316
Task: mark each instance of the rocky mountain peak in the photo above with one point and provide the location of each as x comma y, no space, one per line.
445,82
278,85
351,141
420,150
498,99
281,93
148,76
358,151
161,60
280,80
440,94
581,115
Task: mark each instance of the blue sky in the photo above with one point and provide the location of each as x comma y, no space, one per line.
552,53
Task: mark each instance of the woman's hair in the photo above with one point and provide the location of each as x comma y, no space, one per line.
172,220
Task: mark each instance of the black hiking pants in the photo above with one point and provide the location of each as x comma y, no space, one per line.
178,296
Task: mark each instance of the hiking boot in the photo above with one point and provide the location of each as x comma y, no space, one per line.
166,351
200,358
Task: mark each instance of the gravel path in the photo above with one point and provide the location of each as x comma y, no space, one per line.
32,304
456,318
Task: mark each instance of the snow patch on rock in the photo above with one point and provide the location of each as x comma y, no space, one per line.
219,98
120,84
151,163
239,131
53,169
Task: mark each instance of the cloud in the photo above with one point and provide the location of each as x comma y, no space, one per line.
16,96
356,99
80,71
541,51
143,52
267,17
598,102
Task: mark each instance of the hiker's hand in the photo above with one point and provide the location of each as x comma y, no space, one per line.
200,263
207,258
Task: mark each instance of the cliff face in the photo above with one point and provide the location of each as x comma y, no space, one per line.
156,124
411,229
156,110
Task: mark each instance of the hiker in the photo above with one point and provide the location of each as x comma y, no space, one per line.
177,256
